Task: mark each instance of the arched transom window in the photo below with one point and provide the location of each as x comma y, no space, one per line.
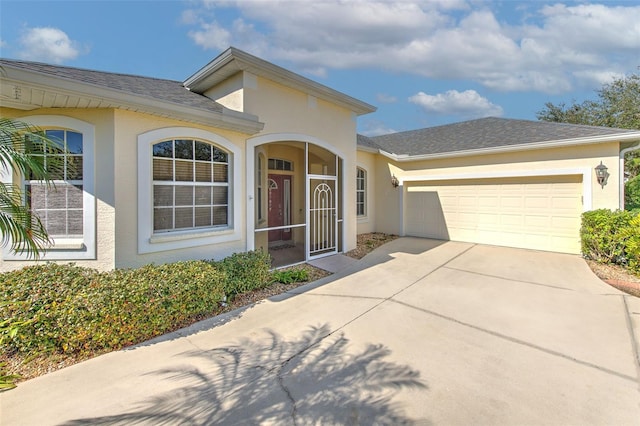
190,185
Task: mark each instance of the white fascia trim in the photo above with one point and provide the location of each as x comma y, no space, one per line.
72,248
246,123
148,242
587,187
618,137
621,169
369,149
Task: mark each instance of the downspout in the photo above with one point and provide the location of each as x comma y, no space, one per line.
622,153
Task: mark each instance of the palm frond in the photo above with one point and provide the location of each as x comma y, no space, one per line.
21,229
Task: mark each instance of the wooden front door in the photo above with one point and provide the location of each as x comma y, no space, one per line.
280,207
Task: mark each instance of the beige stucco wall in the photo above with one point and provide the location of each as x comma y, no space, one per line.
128,126
285,112
116,165
543,161
367,161
102,119
229,93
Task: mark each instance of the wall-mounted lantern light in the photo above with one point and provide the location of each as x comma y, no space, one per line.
602,174
394,181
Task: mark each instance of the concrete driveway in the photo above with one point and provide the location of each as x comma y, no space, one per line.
418,332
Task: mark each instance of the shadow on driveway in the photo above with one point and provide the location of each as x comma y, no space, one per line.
310,378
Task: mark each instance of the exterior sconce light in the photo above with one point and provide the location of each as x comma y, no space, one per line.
394,181
601,174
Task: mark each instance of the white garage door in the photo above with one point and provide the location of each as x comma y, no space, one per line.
541,213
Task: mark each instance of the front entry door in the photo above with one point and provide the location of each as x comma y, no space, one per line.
279,207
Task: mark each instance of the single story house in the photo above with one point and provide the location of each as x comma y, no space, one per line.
246,155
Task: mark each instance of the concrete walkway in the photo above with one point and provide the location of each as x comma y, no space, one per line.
417,332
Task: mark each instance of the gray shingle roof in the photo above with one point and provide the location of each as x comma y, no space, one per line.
367,142
484,133
153,88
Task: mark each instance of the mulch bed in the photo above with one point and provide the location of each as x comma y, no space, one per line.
616,276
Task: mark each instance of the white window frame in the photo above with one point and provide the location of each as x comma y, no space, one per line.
364,191
83,248
148,240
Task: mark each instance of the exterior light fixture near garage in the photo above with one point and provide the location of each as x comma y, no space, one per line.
602,174
394,181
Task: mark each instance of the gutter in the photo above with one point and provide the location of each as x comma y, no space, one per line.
368,149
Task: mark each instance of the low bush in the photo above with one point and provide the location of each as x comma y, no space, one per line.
245,272
289,276
632,194
611,237
632,235
69,309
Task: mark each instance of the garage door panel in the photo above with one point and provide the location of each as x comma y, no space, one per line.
511,202
539,213
535,223
488,220
511,221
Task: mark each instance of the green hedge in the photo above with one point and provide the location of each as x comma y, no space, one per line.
612,237
632,194
246,272
73,310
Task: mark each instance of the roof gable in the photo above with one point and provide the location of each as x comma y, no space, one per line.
233,61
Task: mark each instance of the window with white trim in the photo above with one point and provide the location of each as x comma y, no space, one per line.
181,180
59,204
67,207
361,194
190,185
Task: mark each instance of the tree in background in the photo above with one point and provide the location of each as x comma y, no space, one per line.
21,229
618,105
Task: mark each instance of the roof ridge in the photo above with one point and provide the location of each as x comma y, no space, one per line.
67,67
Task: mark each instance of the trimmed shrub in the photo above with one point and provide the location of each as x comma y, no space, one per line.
632,235
291,276
611,236
68,309
43,299
632,194
246,272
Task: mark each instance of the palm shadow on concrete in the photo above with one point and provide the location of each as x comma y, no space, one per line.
312,378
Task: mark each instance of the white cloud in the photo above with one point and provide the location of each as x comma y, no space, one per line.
48,44
467,104
544,48
375,128
211,36
383,98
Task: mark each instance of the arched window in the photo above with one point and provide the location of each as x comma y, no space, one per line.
361,194
190,185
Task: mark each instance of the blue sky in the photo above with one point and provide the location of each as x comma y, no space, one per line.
422,63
